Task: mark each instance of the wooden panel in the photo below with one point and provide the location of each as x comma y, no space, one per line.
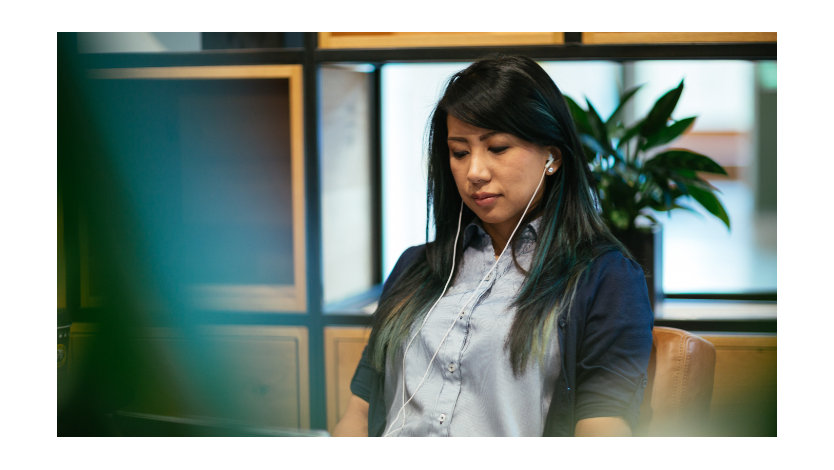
168,380
339,40
267,373
342,348
672,38
79,355
744,394
81,335
209,72
254,375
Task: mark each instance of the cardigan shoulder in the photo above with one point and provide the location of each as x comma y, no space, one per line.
409,256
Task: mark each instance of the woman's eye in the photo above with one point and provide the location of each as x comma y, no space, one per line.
459,154
498,149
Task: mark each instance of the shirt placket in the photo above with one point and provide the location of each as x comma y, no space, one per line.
451,354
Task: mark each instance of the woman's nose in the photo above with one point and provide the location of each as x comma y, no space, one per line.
478,169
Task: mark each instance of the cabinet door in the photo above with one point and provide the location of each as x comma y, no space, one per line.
342,348
212,158
265,374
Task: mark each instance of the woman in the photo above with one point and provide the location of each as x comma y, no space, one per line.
524,316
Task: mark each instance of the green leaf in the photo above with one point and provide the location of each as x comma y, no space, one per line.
661,195
667,134
673,207
681,159
703,184
624,99
579,115
620,219
651,218
589,142
711,203
661,111
682,207
599,130
630,134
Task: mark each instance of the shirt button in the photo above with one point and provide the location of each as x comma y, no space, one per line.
451,367
442,418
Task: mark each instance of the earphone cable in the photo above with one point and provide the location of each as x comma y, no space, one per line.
454,321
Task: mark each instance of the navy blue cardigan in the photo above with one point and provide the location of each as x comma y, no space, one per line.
605,342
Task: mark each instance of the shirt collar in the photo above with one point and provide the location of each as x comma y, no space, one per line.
475,234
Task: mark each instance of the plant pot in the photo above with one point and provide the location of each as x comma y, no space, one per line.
646,247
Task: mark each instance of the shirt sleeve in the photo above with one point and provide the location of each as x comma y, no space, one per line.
364,377
616,340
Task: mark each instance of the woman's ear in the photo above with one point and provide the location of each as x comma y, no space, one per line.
556,154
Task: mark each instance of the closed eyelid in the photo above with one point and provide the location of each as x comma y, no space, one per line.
458,153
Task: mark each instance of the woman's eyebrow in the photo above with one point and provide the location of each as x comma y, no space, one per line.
481,138
487,135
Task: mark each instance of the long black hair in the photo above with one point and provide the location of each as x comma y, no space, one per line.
513,95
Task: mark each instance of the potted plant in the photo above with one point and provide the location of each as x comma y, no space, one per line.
639,174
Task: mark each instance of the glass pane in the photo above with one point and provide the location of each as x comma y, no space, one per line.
720,93
138,42
736,127
346,187
184,41
409,94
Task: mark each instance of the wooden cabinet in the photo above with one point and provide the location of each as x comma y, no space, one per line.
257,375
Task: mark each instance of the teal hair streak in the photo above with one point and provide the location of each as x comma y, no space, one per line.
407,303
565,249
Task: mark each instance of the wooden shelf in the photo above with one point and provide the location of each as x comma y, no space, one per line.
674,38
425,39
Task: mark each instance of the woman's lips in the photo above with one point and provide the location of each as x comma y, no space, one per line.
484,199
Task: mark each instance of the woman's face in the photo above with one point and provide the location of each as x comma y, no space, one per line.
496,174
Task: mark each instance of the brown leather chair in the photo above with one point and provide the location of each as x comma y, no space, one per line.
680,381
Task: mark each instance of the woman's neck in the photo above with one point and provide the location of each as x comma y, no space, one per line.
500,234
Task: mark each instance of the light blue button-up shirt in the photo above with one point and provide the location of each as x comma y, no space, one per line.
469,388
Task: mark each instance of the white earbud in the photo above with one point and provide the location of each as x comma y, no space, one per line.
547,166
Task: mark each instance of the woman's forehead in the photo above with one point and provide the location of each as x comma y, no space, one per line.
459,128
